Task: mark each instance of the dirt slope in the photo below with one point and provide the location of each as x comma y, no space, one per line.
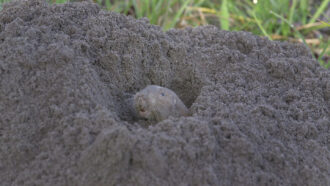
67,75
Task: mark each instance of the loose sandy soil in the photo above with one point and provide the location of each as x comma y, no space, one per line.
67,75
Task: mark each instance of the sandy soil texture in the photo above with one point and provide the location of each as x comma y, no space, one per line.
260,109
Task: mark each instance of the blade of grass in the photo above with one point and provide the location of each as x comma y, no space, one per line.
177,15
214,12
260,26
143,6
287,22
203,9
322,54
137,9
224,15
286,30
292,10
319,11
282,10
157,10
328,24
108,4
147,7
296,31
323,51
308,28
303,6
128,7
199,3
60,1
313,26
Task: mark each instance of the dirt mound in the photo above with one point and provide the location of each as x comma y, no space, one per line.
67,75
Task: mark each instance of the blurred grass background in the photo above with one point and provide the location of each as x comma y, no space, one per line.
304,21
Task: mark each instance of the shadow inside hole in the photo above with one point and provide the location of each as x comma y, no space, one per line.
186,91
125,108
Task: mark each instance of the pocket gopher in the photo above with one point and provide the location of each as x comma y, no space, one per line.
156,103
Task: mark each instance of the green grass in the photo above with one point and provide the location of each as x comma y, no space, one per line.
3,1
290,20
223,15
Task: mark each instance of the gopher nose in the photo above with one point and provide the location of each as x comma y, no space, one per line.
141,103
